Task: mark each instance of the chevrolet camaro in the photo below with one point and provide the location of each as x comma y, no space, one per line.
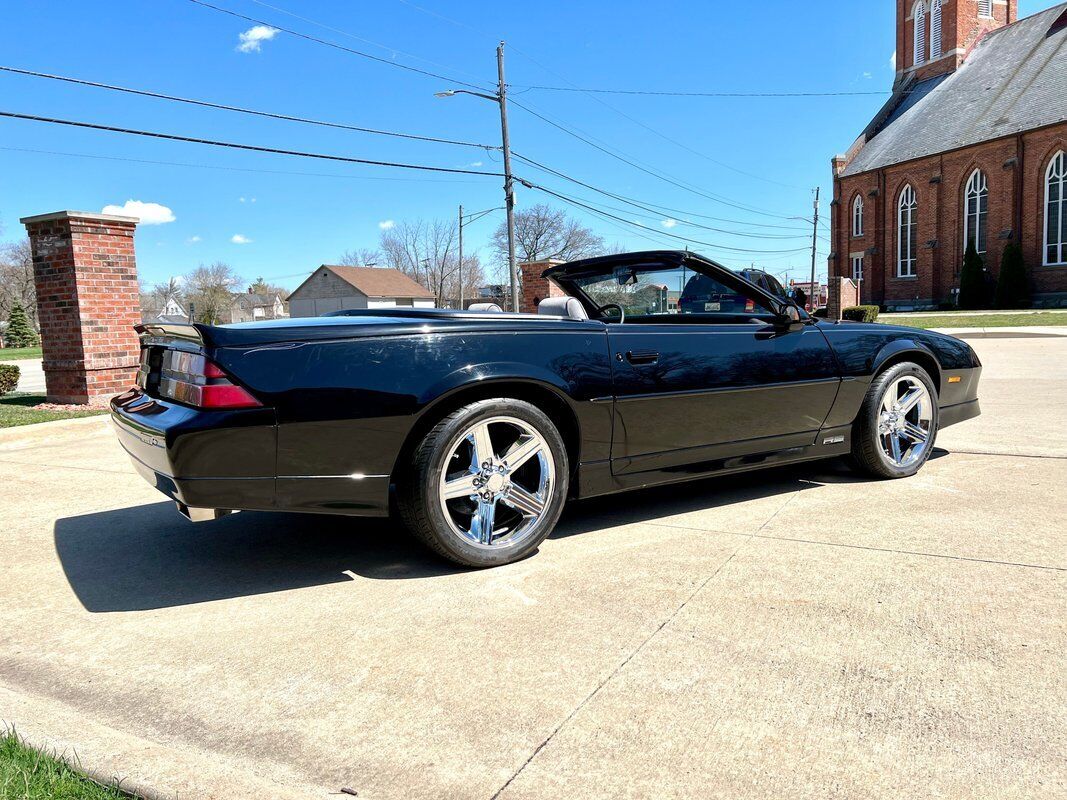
649,368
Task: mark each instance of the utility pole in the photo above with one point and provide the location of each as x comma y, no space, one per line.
814,241
509,190
459,269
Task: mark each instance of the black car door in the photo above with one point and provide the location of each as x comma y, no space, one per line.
697,387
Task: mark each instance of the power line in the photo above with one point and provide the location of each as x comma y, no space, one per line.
653,230
645,206
681,221
653,173
671,93
240,110
186,165
336,46
350,35
236,146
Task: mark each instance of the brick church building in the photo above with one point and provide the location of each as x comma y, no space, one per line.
971,147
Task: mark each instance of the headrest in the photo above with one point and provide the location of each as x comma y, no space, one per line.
493,307
567,307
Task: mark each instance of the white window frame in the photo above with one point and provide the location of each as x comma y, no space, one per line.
935,31
857,269
978,188
1055,212
907,215
918,16
985,9
857,216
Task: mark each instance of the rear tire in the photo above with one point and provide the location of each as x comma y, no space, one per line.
895,431
486,484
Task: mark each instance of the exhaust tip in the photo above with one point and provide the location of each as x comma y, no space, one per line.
194,514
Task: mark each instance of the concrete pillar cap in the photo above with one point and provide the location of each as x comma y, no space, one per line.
93,215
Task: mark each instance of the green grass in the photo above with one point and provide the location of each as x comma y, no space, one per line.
1007,320
26,774
19,353
17,409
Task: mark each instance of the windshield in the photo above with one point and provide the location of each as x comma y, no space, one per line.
668,291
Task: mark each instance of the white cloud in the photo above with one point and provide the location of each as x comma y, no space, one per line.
386,224
192,240
867,75
147,213
247,199
475,164
669,223
893,61
252,39
238,238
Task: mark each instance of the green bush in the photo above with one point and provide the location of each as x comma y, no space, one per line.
1013,284
9,378
972,280
860,313
19,331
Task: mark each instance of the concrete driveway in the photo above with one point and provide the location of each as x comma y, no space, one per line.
797,633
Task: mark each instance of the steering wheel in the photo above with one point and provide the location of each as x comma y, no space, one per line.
622,311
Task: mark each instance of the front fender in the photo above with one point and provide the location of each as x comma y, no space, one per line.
892,350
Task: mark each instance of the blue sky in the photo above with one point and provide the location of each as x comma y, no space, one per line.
270,216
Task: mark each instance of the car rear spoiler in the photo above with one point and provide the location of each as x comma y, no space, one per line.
171,334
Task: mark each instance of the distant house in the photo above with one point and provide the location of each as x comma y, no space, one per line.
249,307
170,312
333,288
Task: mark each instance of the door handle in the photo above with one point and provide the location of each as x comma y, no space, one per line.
637,357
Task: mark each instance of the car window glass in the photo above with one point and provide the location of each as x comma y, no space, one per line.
645,294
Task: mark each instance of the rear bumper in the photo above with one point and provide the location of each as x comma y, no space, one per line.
209,459
228,460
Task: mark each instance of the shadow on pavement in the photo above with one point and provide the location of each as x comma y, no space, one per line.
148,557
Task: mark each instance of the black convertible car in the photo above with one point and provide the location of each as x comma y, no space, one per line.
486,423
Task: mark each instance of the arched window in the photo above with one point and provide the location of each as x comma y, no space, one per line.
1056,210
975,211
919,17
935,31
985,8
907,233
857,216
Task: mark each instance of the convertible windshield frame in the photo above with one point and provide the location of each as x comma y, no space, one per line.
570,275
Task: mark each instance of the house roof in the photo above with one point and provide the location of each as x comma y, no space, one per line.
1014,80
375,282
250,300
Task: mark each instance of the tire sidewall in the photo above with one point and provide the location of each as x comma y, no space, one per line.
873,409
467,552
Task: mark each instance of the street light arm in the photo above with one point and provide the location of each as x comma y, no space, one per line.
449,93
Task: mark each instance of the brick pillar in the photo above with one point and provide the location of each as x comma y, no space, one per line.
88,301
843,293
534,287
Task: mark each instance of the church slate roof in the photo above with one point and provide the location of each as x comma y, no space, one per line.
1014,80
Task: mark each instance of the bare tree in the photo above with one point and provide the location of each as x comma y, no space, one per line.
428,252
544,232
209,291
156,297
16,280
360,257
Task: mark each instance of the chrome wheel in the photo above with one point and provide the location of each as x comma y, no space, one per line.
496,482
905,421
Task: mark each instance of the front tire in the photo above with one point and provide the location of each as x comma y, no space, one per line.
487,483
895,431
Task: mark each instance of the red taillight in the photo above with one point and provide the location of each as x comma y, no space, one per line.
750,306
193,379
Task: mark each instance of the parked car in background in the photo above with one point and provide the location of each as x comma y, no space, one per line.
486,423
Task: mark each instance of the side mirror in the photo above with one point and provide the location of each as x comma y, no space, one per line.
788,317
